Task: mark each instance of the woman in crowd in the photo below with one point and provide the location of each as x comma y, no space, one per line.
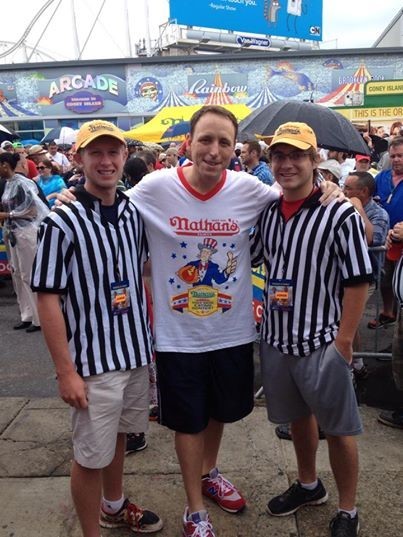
49,180
21,213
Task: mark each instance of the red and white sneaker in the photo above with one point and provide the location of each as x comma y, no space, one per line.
199,525
223,492
133,517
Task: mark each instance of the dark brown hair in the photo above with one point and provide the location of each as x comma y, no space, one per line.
11,159
213,109
54,168
253,145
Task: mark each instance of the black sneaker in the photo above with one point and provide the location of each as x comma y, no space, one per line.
295,497
342,525
22,325
392,418
135,442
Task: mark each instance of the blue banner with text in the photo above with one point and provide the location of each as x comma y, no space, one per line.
301,19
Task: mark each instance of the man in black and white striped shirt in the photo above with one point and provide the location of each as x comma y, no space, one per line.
91,302
318,271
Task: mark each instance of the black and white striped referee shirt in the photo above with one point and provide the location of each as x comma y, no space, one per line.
78,255
320,249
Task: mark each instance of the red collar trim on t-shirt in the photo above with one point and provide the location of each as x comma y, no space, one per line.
195,193
290,208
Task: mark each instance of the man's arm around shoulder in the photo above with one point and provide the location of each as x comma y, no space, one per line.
72,388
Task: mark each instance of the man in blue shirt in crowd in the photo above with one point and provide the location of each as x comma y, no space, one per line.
250,155
389,188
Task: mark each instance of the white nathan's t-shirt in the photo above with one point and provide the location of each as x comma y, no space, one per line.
199,250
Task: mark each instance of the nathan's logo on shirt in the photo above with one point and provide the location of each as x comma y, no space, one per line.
185,226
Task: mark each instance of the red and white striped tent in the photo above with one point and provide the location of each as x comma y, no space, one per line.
338,96
218,96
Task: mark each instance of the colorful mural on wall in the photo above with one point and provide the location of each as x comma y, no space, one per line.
332,81
61,92
143,89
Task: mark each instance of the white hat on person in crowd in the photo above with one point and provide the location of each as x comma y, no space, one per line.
332,166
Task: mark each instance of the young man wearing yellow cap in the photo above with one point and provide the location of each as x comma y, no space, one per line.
91,301
318,270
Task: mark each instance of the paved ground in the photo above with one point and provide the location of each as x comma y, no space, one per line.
35,459
35,454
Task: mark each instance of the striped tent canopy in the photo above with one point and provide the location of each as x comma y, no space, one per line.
263,98
338,96
170,100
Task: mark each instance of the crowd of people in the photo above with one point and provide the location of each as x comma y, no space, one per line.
193,218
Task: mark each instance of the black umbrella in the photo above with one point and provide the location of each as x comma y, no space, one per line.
333,131
7,134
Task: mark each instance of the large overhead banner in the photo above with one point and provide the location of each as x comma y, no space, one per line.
301,19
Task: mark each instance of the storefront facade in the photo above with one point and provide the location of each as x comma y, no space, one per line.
37,97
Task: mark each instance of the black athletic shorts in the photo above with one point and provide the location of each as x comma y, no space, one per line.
194,387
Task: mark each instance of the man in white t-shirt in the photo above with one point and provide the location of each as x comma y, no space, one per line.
198,220
60,159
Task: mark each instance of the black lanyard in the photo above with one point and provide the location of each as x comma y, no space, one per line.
281,223
111,216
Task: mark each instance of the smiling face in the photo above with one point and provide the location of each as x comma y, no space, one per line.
293,169
44,169
212,144
102,161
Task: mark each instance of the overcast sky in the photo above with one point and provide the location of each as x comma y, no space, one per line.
346,24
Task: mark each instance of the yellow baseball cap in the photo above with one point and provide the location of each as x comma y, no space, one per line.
91,130
299,135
